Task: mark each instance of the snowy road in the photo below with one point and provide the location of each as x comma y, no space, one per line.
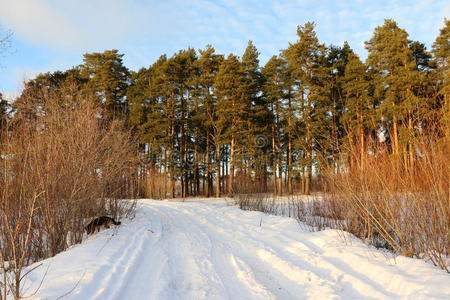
194,250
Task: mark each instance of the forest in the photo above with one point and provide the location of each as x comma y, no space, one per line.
209,124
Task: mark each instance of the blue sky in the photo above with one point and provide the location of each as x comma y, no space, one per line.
54,34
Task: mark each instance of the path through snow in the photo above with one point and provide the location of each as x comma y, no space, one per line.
207,250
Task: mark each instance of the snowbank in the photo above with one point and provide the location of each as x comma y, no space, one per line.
209,250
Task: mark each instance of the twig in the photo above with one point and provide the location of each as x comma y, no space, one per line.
69,292
40,283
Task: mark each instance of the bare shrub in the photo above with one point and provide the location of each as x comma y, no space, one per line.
59,168
258,202
311,211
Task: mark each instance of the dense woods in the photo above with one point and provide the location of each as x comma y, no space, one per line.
209,124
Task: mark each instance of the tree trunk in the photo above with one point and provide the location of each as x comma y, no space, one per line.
411,146
217,170
362,147
231,177
280,178
274,163
208,166
289,167
395,136
308,173
171,166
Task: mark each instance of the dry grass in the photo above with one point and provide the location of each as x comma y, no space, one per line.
155,184
395,206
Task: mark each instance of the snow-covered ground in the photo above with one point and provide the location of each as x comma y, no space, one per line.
209,250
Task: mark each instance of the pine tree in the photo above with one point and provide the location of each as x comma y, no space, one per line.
138,99
358,107
259,116
277,87
207,66
179,71
159,127
109,79
306,59
233,108
332,80
441,47
441,53
395,74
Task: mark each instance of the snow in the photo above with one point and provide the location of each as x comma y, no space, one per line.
211,250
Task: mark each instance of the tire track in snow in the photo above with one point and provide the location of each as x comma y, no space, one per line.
316,271
190,271
117,263
176,250
214,261
149,274
269,272
236,277
126,264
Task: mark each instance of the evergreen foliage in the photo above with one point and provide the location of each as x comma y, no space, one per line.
108,78
214,125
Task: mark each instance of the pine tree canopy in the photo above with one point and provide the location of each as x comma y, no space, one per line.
204,121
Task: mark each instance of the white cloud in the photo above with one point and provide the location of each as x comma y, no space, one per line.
70,25
38,23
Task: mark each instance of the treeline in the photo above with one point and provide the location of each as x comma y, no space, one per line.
212,125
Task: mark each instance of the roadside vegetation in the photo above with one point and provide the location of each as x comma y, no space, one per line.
381,202
61,165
